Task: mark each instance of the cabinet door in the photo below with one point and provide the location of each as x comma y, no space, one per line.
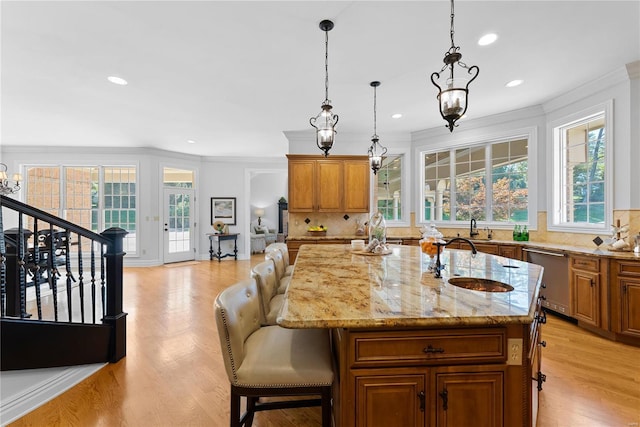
356,186
301,185
329,183
509,251
469,399
487,248
630,306
586,296
390,400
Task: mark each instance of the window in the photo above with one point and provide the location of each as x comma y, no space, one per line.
580,172
388,192
94,197
487,182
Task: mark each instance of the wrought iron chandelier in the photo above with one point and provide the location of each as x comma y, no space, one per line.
453,98
5,185
325,122
377,150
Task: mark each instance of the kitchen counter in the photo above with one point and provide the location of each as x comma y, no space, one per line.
333,287
404,341
601,251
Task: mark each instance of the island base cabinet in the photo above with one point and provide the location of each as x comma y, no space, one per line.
469,399
626,301
391,400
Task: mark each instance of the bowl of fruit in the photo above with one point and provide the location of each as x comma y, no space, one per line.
317,230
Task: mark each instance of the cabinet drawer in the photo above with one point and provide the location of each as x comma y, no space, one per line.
585,263
436,347
628,268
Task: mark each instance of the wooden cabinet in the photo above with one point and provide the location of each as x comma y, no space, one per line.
585,279
510,251
625,290
334,184
469,398
393,399
302,191
294,245
329,176
356,185
434,377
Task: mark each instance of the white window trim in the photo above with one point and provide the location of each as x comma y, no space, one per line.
554,170
531,133
405,220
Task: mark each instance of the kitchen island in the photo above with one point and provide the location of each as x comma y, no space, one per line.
413,350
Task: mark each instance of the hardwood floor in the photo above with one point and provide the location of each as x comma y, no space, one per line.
173,373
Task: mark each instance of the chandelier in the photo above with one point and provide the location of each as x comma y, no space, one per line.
325,122
377,150
5,185
453,98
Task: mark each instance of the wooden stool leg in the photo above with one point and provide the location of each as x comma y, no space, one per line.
326,407
234,416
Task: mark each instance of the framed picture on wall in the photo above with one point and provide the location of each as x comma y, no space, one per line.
223,209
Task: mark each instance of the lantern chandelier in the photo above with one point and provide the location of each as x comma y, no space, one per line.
377,150
325,122
453,98
5,185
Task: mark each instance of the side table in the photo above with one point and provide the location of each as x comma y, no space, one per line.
219,238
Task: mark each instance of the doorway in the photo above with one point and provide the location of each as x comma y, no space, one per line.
178,216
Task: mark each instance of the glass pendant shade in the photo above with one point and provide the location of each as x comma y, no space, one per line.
453,100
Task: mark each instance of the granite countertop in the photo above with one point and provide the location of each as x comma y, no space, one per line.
333,287
572,249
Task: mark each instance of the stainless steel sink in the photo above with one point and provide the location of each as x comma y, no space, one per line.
483,285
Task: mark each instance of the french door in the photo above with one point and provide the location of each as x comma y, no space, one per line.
179,226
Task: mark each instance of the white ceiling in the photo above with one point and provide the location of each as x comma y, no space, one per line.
234,75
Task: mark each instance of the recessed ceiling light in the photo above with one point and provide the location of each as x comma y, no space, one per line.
117,80
514,83
396,116
487,39
190,141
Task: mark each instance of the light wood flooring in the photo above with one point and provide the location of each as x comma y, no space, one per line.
173,373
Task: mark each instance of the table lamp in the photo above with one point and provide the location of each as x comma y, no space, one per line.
259,212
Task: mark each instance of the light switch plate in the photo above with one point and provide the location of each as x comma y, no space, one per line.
514,351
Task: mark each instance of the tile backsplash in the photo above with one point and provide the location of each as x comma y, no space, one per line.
335,223
338,226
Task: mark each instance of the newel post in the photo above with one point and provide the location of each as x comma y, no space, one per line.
114,316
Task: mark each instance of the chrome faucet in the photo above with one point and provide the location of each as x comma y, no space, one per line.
439,267
473,231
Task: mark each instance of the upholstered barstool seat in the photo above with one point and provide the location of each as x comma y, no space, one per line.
282,247
278,262
276,357
265,361
264,274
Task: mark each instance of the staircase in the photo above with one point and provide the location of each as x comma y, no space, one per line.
60,291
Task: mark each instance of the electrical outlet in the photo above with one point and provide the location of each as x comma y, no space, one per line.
514,351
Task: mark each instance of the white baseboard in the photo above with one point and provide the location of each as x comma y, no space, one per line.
25,390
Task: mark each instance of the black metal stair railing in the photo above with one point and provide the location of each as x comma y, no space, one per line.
54,271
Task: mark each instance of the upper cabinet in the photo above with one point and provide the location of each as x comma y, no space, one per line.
334,184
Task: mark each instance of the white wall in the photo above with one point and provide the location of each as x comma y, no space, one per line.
266,188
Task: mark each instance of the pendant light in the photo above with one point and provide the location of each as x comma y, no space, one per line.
376,151
325,122
453,98
6,187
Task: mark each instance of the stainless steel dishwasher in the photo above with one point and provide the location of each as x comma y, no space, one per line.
555,277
